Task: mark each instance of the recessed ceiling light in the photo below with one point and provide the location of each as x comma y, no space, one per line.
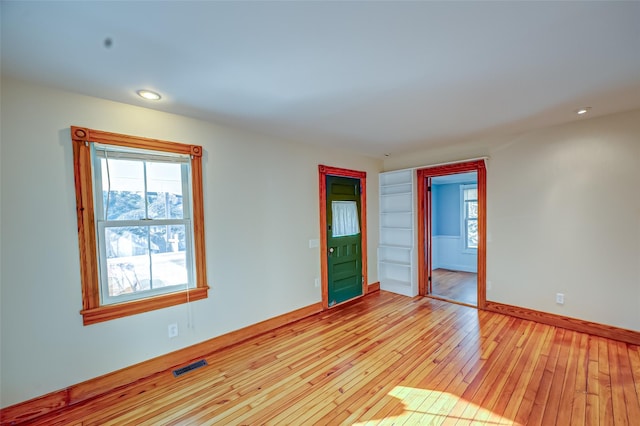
583,111
149,95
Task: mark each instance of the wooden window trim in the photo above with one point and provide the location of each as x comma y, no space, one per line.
92,312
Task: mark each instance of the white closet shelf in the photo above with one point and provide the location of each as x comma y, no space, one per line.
395,263
396,256
395,282
390,185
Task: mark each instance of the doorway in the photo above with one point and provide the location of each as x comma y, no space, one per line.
454,237
451,232
342,235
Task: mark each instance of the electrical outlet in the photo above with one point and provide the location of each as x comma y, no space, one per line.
560,298
172,330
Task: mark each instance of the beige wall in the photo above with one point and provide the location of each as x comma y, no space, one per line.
261,208
563,216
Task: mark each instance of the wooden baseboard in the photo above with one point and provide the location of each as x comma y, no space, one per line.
373,287
596,329
36,407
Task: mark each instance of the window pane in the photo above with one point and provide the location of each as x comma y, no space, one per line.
164,190
472,209
144,258
128,263
169,256
471,194
122,189
472,234
344,218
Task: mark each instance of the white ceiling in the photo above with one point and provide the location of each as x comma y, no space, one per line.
374,77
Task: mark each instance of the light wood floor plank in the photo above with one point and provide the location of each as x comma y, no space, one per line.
428,356
620,414
592,408
552,404
567,396
626,382
423,377
403,346
489,381
513,394
604,384
514,377
634,359
389,360
523,407
579,408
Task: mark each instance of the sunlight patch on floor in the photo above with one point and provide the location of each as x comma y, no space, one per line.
425,406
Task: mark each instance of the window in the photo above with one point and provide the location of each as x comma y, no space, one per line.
344,218
140,223
470,215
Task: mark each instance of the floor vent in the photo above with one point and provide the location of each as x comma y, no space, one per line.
180,371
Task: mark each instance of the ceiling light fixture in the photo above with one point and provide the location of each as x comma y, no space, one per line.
149,95
583,111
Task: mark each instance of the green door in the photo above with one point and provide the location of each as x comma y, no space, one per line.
344,239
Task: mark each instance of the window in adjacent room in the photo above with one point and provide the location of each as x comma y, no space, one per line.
140,223
470,215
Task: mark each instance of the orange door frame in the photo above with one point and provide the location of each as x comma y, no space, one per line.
323,171
424,217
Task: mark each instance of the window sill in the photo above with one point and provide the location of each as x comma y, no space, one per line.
109,312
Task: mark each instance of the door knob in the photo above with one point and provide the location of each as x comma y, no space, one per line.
331,250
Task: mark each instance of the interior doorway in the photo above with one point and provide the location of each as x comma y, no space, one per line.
451,232
344,239
343,234
454,237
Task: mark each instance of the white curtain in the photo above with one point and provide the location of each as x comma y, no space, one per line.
344,218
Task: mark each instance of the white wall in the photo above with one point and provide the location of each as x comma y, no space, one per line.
563,215
448,252
261,208
448,238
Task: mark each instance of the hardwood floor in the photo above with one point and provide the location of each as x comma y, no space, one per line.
389,359
455,285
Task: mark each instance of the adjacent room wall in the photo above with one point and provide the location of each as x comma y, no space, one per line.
563,216
446,209
448,241
261,210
